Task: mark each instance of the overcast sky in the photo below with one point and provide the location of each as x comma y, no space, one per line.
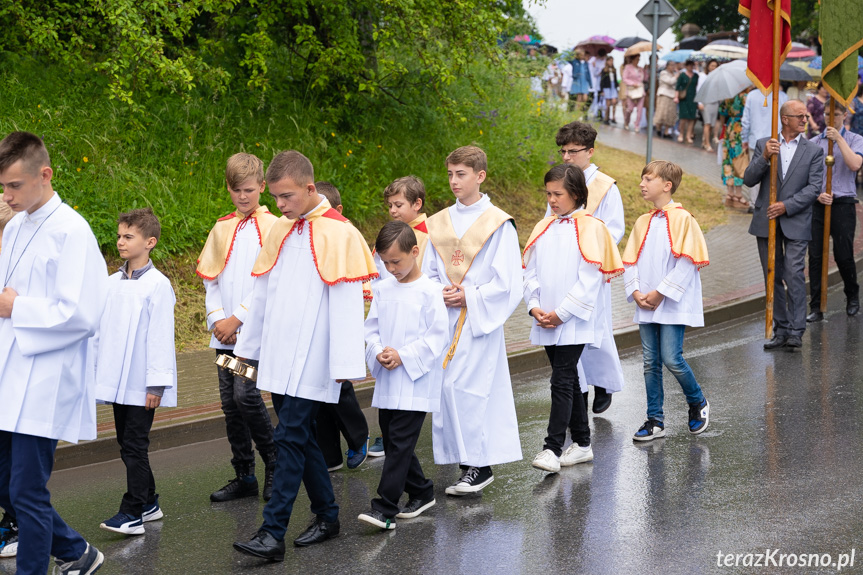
564,23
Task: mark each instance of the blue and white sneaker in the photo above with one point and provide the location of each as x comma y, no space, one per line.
125,524
356,458
699,417
9,548
8,537
377,448
153,512
652,429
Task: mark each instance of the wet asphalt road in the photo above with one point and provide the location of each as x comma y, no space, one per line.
779,468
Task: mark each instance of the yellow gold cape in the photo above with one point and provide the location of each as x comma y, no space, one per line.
684,234
595,243
339,250
458,253
596,190
220,243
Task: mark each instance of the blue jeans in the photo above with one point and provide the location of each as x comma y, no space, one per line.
661,345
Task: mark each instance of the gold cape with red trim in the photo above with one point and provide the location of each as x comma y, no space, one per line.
684,234
596,190
220,243
339,250
458,253
595,243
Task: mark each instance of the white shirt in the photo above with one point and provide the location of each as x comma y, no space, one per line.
135,342
231,292
786,151
412,319
675,278
46,360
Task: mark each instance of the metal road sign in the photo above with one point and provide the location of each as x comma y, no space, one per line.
666,16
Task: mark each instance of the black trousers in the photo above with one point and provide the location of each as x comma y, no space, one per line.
843,225
133,424
246,420
402,471
345,417
567,405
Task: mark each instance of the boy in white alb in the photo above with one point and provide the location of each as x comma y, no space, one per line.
225,265
473,251
407,332
662,259
54,286
136,365
599,365
306,327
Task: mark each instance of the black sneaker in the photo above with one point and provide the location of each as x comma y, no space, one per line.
451,489
235,489
652,429
414,507
474,479
377,519
699,417
88,563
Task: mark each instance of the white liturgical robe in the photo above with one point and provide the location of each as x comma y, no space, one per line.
477,423
135,342
46,361
305,332
412,319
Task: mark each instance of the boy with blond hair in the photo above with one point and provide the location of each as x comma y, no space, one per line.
225,265
662,259
136,365
473,251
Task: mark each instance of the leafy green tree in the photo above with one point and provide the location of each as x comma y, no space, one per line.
722,15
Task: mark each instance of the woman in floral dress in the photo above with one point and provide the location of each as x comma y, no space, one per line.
731,114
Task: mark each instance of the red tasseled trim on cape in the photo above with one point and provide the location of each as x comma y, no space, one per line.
608,275
233,239
698,265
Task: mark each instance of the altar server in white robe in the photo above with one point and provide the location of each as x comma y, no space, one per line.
568,258
136,363
305,326
599,365
473,251
54,286
407,333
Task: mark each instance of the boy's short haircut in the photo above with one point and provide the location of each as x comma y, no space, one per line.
578,133
398,233
470,156
293,166
143,220
330,192
411,186
243,166
573,182
668,171
26,147
837,105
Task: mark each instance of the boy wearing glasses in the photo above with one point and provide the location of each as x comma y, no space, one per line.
599,366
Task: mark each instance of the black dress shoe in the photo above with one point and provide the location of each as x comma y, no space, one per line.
814,316
601,399
794,341
777,342
263,545
318,532
852,307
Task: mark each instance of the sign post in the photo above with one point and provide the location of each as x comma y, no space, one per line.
657,16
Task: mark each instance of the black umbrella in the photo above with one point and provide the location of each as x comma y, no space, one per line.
693,43
789,73
625,43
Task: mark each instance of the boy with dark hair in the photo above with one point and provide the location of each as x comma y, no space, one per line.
136,366
346,416
473,251
599,365
662,259
54,287
225,265
305,326
406,335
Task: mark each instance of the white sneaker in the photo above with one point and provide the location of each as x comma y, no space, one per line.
546,460
9,548
576,454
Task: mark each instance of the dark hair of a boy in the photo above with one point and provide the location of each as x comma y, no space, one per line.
411,186
573,182
291,165
398,233
330,192
578,133
143,220
23,146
